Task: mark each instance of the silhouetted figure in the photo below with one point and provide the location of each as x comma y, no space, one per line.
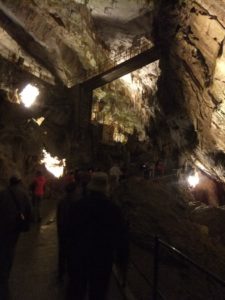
96,235
63,209
151,166
68,178
38,190
83,178
14,207
159,168
115,173
145,168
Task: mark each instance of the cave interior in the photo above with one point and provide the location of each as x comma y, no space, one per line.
170,108
132,81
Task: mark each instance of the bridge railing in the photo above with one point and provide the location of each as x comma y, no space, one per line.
116,59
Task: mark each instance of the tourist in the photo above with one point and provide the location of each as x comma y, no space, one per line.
96,235
15,215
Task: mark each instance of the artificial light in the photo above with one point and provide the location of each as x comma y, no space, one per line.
53,164
29,95
193,180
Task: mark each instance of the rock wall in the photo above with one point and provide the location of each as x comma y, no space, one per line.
191,88
158,208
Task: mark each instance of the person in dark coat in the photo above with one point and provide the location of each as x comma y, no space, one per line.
14,204
68,179
62,213
97,237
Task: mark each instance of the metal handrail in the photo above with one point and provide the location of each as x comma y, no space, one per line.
184,257
116,59
130,52
145,278
120,286
155,290
140,272
123,284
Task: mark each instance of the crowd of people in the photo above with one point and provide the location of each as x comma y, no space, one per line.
92,233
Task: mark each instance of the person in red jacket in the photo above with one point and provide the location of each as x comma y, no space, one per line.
38,190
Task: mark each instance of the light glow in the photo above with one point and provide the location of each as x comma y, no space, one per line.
128,80
220,67
29,95
53,164
39,121
193,180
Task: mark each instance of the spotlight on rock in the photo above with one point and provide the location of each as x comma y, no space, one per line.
29,95
193,180
53,164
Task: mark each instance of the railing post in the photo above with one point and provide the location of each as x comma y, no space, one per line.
155,268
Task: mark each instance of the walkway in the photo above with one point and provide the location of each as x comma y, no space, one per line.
128,66
34,272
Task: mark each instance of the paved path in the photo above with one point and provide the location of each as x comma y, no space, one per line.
34,271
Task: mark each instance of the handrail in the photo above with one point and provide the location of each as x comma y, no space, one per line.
183,256
179,253
130,52
140,272
116,59
145,278
122,285
155,291
162,177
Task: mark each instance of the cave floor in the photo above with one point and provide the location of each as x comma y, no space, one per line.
34,270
